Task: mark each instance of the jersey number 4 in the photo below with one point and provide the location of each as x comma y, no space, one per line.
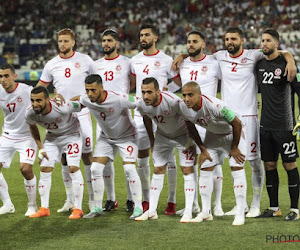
146,70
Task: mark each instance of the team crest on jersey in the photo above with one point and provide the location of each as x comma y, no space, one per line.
19,99
204,68
166,112
157,64
244,60
77,65
118,67
110,110
58,119
218,106
277,72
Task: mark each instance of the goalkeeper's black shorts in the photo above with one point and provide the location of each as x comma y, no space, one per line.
273,143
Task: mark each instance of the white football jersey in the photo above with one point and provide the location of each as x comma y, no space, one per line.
238,87
213,115
157,66
68,74
59,121
205,72
14,106
115,73
112,114
166,115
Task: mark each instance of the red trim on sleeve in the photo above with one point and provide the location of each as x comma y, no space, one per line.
237,55
44,82
207,98
167,94
175,76
112,58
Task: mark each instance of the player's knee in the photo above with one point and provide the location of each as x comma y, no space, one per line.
64,159
143,153
288,166
73,169
270,166
87,158
187,170
27,172
159,170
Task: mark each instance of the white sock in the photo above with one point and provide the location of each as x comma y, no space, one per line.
68,183
44,188
129,194
134,184
144,174
109,181
240,190
4,191
172,181
88,178
218,184
189,191
257,181
30,187
77,186
157,184
196,201
205,189
97,182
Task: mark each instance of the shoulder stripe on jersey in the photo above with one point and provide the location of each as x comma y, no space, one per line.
167,94
112,92
112,58
207,99
67,57
175,76
237,55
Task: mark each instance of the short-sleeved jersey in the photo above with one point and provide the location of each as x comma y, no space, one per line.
276,113
115,73
157,66
205,72
238,86
68,74
59,121
213,115
112,114
166,115
14,106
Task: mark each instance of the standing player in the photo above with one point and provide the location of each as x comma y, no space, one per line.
276,126
67,72
239,92
14,100
204,70
163,109
224,137
114,70
63,136
118,132
152,63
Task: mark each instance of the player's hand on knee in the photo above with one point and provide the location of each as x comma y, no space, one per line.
42,154
237,155
203,157
59,99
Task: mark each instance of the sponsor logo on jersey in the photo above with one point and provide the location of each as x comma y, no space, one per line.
244,60
277,72
19,99
77,65
111,109
118,67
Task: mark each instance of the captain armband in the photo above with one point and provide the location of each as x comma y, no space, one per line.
228,114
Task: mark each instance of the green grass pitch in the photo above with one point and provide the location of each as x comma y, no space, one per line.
116,231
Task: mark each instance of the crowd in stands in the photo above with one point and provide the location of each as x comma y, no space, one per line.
28,27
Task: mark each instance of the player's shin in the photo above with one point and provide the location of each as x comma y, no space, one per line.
44,188
196,174
134,184
68,183
30,187
88,177
156,186
109,180
189,191
98,183
77,187
172,181
144,174
293,181
272,184
218,185
240,190
257,181
205,190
